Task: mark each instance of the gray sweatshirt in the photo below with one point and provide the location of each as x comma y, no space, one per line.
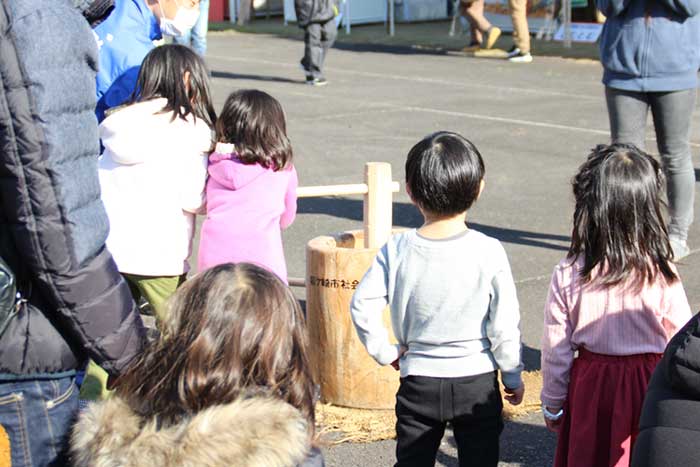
453,305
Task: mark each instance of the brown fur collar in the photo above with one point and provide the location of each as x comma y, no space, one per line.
255,432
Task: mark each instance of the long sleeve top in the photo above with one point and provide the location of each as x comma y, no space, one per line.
247,207
453,305
619,320
152,174
650,45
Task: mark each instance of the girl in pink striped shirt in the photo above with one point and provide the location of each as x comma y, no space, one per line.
616,299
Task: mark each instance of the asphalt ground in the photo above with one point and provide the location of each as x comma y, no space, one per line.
533,123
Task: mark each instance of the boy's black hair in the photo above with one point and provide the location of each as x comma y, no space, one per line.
444,173
254,122
162,75
618,222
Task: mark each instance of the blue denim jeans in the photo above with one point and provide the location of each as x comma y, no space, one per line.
197,36
37,416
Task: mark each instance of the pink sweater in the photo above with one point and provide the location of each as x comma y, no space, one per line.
610,321
247,208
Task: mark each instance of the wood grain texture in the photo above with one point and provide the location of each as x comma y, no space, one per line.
348,376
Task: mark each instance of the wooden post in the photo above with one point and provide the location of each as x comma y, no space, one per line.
378,204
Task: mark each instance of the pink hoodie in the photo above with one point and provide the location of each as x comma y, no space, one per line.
247,208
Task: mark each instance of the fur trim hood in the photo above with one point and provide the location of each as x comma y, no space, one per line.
254,432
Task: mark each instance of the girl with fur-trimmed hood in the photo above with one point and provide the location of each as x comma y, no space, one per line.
228,383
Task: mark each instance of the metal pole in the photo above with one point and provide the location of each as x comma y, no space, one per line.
347,17
233,10
566,4
391,18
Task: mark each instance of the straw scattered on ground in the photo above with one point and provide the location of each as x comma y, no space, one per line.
341,424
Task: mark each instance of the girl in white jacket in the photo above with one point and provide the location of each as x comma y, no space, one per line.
153,171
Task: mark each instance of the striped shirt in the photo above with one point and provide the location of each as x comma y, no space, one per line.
616,320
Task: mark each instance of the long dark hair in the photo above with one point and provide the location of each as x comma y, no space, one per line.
618,222
162,74
254,122
232,331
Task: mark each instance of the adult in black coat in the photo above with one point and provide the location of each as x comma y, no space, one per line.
75,305
670,421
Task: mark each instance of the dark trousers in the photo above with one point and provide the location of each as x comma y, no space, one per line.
471,404
672,113
318,38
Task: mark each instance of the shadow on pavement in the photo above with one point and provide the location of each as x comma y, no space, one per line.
406,215
522,444
243,76
388,49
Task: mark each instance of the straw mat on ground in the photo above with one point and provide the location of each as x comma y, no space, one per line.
342,424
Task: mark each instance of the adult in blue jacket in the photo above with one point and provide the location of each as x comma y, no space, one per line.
650,50
127,35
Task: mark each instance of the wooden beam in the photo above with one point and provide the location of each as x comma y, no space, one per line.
338,190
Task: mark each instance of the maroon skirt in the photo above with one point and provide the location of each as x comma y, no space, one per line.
601,413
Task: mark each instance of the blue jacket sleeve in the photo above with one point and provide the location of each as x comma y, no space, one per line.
118,92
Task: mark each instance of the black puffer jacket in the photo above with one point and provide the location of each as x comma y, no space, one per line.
670,422
313,11
52,223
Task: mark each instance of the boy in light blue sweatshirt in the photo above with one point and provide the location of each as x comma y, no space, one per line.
454,311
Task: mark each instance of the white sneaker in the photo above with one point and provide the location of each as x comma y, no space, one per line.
521,58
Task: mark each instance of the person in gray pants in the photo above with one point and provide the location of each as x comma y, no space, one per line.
317,18
650,51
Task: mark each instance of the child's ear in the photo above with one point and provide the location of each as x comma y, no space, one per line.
482,184
410,196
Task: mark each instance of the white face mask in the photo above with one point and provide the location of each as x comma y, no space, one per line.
184,20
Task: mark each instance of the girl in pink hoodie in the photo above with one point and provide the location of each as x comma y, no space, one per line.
251,190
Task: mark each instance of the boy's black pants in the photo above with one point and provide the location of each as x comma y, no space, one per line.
318,38
471,404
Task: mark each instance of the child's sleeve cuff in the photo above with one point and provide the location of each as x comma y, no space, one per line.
512,379
388,354
552,401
